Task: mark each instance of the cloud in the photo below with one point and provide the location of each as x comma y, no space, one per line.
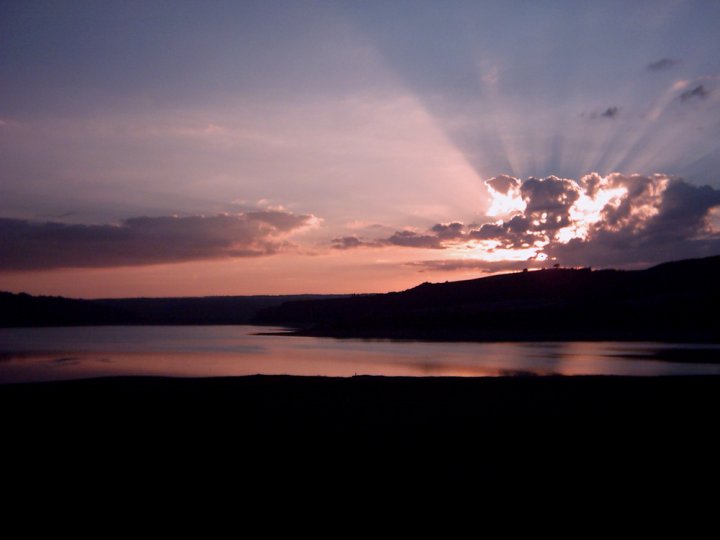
65,361
662,64
435,238
414,240
548,202
615,220
673,226
515,233
281,220
351,242
699,92
503,184
357,224
504,194
448,231
27,245
452,265
438,237
610,112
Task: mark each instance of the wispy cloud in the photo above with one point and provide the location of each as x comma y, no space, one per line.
351,242
699,92
610,112
414,240
435,238
662,64
452,265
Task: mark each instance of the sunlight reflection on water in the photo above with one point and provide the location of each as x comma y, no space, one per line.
34,354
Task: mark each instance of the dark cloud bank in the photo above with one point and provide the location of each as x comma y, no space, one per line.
618,220
27,245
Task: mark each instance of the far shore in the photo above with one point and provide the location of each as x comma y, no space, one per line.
514,337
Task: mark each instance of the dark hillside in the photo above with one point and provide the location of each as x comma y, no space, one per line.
673,301
25,310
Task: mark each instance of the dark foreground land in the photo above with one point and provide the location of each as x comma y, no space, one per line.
589,432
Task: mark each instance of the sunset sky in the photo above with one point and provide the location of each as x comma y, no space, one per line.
171,148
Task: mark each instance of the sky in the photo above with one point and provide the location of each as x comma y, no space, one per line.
184,148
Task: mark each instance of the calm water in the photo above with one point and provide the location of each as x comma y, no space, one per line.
33,354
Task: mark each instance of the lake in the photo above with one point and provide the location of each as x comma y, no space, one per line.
41,354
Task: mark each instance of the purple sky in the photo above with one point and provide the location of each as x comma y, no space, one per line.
188,148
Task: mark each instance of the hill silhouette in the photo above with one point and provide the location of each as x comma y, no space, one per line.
26,310
675,301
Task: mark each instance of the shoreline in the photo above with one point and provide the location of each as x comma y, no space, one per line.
539,338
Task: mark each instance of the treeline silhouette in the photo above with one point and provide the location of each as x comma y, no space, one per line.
676,301
26,310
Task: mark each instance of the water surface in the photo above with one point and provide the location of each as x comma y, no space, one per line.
36,354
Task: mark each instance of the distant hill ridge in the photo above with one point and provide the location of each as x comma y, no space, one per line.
674,301
26,310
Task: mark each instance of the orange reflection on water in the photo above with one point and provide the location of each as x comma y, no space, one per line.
223,364
55,354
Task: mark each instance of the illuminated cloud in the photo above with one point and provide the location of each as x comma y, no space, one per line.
616,220
280,220
27,245
548,202
663,219
451,265
503,184
662,64
513,233
505,195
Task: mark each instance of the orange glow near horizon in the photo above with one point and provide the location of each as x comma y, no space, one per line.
381,260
